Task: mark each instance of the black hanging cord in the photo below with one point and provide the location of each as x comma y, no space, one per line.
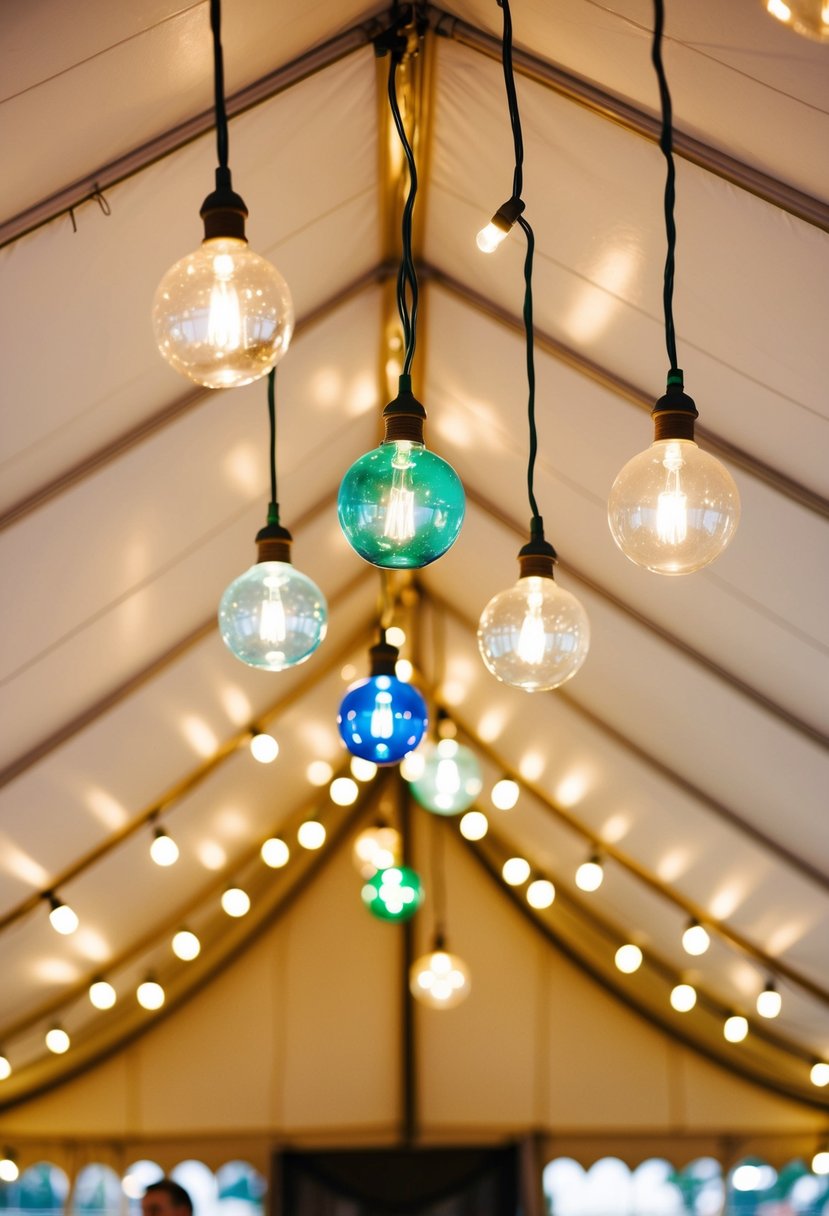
438,882
273,505
407,290
512,100
219,84
666,144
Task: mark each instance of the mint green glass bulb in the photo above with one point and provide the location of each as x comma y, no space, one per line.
401,506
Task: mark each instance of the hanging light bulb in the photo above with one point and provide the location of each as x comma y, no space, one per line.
263,747
5,1068
807,17
394,894
57,1040
275,853
9,1171
439,979
534,635
500,226
381,718
362,770
541,893
695,939
474,825
64,920
344,791
273,616
505,794
735,1028
102,994
150,995
673,508
311,834
235,902
377,848
400,506
590,874
186,945
515,871
450,780
820,1162
628,958
683,997
819,1074
222,316
769,1001
163,850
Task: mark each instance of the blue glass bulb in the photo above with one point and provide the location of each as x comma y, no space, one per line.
400,506
381,719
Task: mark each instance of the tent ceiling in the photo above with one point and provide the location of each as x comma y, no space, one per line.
691,746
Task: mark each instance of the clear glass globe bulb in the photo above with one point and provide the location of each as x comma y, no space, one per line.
401,506
273,616
450,780
439,980
223,316
381,719
673,508
535,635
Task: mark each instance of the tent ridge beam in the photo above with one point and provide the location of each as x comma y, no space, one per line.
616,109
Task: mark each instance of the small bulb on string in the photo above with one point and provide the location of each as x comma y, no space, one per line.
499,227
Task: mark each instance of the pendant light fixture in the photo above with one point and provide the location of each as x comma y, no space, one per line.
393,894
448,778
400,506
535,635
222,316
273,616
439,979
672,508
382,718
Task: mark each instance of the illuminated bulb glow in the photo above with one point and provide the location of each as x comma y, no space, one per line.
236,902
779,10
589,875
628,958
57,1040
490,237
439,980
531,639
541,893
683,998
820,1162
535,635
505,794
272,616
819,1074
362,770
150,995
102,994
515,871
186,945
8,1170
264,748
343,791
393,894
769,1002
275,853
272,624
474,825
395,636
319,772
695,939
382,718
377,848
5,1068
735,1028
63,919
400,523
163,850
311,834
451,778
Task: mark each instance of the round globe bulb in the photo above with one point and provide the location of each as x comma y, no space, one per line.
273,616
515,871
275,853
535,635
505,794
769,1002
5,1068
474,825
223,316
541,893
673,508
381,719
264,748
311,834
628,958
102,994
735,1028
376,848
163,850
396,636
683,998
344,791
401,506
439,980
394,894
186,945
819,1074
57,1040
695,939
362,770
150,995
64,920
236,902
451,778
590,875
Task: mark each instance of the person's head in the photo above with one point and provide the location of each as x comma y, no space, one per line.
166,1198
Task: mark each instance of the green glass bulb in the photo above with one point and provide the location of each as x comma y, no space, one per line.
401,506
393,894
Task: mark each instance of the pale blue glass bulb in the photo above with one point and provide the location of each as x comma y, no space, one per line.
273,616
451,779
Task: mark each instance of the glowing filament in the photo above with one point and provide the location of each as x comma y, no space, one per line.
489,238
447,778
382,720
272,625
671,509
400,524
224,317
531,637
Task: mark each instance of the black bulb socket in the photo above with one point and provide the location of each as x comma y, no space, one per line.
383,657
273,543
404,416
675,413
224,211
506,215
538,557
